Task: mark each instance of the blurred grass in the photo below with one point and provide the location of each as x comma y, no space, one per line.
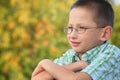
33,30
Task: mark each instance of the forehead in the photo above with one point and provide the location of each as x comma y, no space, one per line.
81,15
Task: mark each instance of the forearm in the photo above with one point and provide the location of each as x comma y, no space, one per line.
61,73
58,72
77,66
47,74
42,76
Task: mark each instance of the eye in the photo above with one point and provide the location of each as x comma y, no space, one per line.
70,27
82,27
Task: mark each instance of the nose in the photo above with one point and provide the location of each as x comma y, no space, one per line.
73,34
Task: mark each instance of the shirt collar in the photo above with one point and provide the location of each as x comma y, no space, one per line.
94,52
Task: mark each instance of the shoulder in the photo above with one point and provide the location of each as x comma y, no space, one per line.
110,53
69,53
105,63
112,50
66,58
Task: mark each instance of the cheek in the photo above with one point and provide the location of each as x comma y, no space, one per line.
93,35
68,38
91,38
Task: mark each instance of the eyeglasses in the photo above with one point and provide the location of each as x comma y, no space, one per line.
79,30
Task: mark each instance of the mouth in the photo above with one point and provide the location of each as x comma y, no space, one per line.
75,44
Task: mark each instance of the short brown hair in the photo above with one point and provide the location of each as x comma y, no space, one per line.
104,14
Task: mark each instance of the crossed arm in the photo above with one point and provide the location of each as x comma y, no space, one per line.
47,70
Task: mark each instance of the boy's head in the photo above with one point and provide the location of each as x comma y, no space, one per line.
90,24
102,10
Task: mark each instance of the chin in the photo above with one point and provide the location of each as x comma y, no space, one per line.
77,50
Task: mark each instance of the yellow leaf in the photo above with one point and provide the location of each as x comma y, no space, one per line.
13,2
11,24
15,62
7,56
41,32
45,42
54,49
6,39
36,45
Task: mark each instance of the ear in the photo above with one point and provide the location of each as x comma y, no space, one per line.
106,33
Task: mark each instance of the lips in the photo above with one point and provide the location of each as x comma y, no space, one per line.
75,44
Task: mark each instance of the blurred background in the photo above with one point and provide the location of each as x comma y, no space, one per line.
32,30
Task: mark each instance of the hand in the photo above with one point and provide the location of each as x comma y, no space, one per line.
84,64
37,70
77,66
42,76
39,73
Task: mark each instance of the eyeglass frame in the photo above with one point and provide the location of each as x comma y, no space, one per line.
83,29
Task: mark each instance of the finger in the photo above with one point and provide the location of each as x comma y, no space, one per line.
37,70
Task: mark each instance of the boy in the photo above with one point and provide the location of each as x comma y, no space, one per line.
92,57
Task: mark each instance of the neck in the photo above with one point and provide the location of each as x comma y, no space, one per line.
79,55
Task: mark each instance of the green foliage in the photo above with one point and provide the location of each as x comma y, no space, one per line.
31,30
116,32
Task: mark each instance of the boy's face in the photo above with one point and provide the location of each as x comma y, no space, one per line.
80,19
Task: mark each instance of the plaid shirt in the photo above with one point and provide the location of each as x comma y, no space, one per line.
104,61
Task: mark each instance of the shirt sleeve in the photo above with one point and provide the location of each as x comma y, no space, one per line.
102,66
65,58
